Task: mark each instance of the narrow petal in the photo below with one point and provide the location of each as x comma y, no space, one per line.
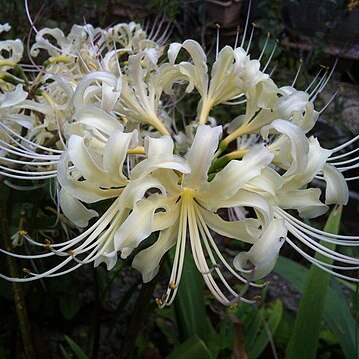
200,155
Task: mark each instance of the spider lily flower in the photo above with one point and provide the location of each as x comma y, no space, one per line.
290,191
141,93
232,75
188,209
32,149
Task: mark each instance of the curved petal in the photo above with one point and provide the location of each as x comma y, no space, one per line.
86,191
148,260
74,210
159,155
245,230
336,191
94,117
299,146
248,199
264,252
138,225
200,155
317,157
294,102
115,153
235,175
306,201
13,98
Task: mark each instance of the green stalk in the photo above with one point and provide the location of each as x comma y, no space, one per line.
18,294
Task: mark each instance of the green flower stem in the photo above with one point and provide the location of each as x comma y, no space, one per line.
219,163
18,294
137,318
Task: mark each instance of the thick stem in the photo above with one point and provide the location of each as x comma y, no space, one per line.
138,316
159,126
18,294
206,108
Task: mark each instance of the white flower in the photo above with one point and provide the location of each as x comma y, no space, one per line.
189,210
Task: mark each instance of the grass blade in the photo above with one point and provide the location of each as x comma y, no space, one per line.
304,340
189,304
191,348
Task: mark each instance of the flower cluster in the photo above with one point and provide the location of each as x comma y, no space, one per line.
99,116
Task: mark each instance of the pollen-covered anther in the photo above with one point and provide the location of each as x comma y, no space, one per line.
26,270
47,245
257,298
159,301
172,285
22,232
70,252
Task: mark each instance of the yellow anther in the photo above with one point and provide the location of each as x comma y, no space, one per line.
159,301
172,285
22,232
26,270
257,298
47,244
70,252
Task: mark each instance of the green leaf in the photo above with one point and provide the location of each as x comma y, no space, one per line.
64,353
260,329
80,354
191,348
189,305
337,314
304,340
69,306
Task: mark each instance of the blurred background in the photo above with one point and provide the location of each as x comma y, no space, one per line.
93,313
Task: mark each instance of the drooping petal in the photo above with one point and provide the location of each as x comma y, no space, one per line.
264,252
336,191
148,260
245,230
74,210
138,225
306,201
